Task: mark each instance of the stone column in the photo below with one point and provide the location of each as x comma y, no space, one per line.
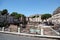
18,29
3,29
42,31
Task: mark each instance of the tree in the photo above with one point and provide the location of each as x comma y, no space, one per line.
5,11
16,15
20,17
45,16
0,12
3,21
35,16
13,13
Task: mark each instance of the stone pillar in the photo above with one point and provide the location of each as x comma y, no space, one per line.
3,29
18,29
42,31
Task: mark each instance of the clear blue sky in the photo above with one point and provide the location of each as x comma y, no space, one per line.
30,7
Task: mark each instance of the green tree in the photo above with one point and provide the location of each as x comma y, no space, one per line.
35,16
3,24
0,12
20,17
5,11
16,15
13,13
4,14
45,16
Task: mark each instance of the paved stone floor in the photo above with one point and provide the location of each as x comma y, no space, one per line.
16,37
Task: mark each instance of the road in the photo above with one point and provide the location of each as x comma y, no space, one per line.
16,37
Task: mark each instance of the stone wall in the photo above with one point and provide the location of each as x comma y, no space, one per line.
13,28
55,19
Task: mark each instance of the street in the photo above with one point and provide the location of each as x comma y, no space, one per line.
16,37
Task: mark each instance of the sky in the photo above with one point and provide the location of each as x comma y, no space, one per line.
29,7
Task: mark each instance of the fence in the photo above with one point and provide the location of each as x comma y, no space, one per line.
40,35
